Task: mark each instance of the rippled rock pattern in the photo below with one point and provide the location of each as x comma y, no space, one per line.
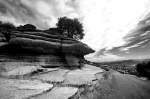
89,82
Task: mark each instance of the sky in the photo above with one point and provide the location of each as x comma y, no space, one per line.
114,28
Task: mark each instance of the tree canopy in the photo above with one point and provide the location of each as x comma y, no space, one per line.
143,69
71,28
6,26
5,29
67,27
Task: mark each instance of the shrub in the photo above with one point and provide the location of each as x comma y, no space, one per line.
143,69
5,29
26,27
71,28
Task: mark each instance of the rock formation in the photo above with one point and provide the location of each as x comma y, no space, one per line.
71,52
89,82
47,43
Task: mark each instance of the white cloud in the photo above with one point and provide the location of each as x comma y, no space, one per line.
104,58
133,46
10,19
107,22
43,8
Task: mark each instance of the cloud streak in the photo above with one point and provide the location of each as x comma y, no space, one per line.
137,42
106,22
42,13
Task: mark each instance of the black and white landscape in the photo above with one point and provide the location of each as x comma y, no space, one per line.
74,49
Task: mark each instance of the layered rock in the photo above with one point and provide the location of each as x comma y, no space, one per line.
70,51
47,43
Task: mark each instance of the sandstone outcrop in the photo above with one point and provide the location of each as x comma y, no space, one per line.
69,52
46,43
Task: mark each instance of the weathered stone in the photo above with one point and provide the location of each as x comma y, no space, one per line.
20,71
72,60
20,89
58,93
82,76
94,68
79,77
46,43
52,76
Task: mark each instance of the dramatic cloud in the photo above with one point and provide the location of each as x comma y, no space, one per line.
137,42
103,56
18,13
106,22
42,13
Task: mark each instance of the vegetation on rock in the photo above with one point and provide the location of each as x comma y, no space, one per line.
5,29
26,27
71,28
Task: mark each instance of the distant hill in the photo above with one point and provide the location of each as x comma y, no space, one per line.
127,62
123,66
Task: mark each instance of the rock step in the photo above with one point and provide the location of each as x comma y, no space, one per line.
58,93
21,89
52,76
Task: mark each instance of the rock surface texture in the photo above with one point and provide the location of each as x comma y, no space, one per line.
89,82
69,51
41,42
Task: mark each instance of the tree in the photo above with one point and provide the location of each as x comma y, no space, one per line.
26,27
5,29
143,69
71,28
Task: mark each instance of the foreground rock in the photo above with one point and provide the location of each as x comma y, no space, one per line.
58,93
21,89
89,82
20,71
